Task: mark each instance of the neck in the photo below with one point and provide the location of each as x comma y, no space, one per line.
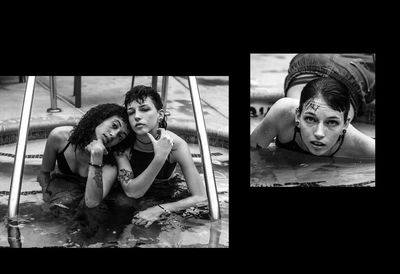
142,139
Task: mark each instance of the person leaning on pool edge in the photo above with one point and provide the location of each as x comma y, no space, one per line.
319,124
150,161
85,169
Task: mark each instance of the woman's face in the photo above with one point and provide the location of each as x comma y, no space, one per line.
112,131
143,117
320,126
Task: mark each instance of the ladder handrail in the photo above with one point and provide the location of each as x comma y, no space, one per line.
18,167
211,188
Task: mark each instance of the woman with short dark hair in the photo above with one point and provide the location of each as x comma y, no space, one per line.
318,124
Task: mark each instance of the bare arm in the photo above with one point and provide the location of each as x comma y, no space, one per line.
98,184
56,138
277,117
195,185
193,180
100,178
136,187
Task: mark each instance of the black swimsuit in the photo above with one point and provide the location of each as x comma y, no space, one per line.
141,160
292,145
62,162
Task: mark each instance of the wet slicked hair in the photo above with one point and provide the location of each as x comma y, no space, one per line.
140,93
335,94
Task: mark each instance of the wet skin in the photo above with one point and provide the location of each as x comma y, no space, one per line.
144,117
111,131
320,126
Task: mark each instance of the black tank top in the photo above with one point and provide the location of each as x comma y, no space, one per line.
62,162
141,160
292,145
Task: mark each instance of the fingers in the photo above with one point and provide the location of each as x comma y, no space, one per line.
148,224
151,138
162,132
144,222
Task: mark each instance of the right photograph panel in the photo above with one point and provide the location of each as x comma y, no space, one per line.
312,120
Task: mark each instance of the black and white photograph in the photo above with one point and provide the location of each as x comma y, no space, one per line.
114,161
312,120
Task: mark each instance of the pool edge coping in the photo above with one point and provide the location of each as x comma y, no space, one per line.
41,129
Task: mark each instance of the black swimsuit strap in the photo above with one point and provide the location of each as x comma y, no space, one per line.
296,129
340,145
65,148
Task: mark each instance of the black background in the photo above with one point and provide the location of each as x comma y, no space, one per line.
265,223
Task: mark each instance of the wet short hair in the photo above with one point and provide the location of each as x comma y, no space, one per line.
335,94
140,93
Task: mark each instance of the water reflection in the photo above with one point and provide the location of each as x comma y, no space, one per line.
14,235
279,167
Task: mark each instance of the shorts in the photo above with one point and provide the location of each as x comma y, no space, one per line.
355,71
65,197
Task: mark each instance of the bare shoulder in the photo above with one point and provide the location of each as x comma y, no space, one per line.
178,141
286,105
59,136
358,144
283,111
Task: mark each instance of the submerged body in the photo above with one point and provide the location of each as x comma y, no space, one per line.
147,119
322,131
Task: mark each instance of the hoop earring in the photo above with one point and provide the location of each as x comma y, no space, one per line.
344,131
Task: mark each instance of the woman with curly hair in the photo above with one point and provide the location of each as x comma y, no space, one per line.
150,161
85,169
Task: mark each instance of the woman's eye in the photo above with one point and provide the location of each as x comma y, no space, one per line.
115,126
309,119
332,123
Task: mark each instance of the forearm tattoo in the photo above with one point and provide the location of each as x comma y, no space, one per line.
98,177
125,175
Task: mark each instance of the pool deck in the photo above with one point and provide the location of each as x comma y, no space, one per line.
214,93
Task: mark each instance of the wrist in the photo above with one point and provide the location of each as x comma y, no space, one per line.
160,157
164,209
96,165
96,160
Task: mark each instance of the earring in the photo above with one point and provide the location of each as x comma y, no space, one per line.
344,131
297,123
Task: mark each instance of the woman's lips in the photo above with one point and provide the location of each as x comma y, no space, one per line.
139,125
317,145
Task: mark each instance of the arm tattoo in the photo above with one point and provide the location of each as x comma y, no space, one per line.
125,175
98,178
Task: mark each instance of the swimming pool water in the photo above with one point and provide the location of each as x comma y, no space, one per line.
39,228
280,167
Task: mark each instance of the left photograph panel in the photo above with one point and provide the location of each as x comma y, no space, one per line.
114,161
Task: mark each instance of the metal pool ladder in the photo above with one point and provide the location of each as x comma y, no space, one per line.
16,179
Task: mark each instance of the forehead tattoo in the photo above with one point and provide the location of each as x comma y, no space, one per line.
312,105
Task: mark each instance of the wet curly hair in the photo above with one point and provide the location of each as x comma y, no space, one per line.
82,134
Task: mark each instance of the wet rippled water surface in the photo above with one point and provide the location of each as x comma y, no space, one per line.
280,167
189,228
